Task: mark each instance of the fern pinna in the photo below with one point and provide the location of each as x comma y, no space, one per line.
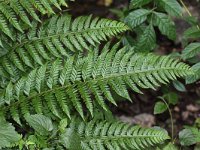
87,79
100,135
56,38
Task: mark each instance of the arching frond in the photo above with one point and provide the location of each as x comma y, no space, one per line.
12,12
102,135
56,38
79,81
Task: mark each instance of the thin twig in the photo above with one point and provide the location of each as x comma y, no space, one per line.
171,118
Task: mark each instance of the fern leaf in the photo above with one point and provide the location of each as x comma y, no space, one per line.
75,82
111,135
58,37
165,25
14,11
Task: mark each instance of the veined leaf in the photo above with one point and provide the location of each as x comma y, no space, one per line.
179,86
136,17
171,6
192,32
40,123
8,135
165,25
138,3
189,136
147,40
196,76
191,50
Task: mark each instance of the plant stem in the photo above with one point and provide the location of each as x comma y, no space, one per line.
171,118
187,10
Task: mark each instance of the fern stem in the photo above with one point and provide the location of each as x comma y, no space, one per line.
171,118
187,10
117,137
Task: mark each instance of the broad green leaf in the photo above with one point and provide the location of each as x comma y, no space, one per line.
40,123
179,86
192,20
196,76
136,17
34,140
160,107
165,25
8,95
191,50
189,136
171,97
8,135
172,7
192,32
147,40
70,140
139,3
63,124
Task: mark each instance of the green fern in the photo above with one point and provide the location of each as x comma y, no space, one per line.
89,79
100,135
58,37
12,12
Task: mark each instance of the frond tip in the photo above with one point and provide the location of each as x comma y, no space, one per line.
100,135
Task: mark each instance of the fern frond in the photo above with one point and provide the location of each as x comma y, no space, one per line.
90,79
111,135
12,12
59,37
